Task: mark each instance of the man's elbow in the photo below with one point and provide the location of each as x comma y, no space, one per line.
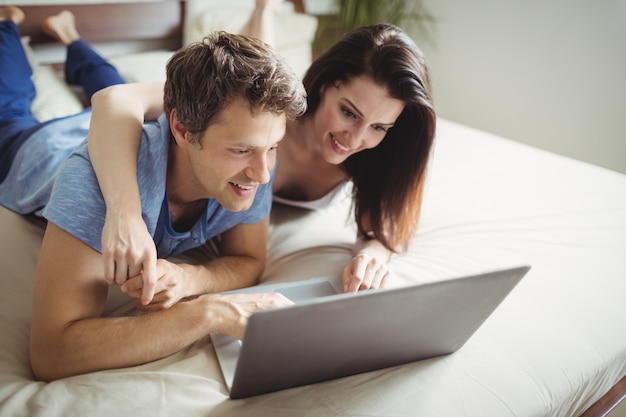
46,363
259,268
255,266
42,365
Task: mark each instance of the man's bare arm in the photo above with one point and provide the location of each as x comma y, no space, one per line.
69,337
240,264
243,251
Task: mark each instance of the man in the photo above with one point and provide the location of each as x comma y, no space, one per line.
204,169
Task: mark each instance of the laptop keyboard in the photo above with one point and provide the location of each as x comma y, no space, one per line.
307,291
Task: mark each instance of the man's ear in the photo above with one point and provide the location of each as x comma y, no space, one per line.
179,131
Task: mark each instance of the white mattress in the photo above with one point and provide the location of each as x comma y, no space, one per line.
552,348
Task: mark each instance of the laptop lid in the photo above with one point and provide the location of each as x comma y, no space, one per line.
345,334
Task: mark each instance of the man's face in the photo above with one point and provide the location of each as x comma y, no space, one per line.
236,155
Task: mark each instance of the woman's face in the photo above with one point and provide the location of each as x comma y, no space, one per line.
353,116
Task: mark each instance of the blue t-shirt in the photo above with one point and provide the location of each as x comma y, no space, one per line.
52,176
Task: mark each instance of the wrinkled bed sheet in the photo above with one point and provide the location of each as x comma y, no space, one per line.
552,348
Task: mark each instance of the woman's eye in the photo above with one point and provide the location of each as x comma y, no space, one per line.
348,113
380,128
240,151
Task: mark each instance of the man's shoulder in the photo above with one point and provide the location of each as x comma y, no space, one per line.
154,144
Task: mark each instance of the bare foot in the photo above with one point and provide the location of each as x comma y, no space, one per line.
12,13
61,27
273,5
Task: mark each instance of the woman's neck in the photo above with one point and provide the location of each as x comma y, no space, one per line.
301,132
299,155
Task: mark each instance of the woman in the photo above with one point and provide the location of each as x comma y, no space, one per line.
370,122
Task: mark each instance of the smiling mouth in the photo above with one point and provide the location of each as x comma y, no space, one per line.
339,145
243,187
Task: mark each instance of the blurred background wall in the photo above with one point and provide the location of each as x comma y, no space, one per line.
549,73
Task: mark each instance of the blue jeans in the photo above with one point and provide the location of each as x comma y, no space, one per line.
83,67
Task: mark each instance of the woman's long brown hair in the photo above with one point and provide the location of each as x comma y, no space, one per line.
389,179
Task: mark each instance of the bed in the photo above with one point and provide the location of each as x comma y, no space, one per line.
556,346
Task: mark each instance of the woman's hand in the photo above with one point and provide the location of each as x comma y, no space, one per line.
129,251
365,272
368,268
171,287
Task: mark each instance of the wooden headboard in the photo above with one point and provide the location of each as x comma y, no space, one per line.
113,22
161,20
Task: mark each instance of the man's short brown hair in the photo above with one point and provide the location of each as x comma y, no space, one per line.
205,76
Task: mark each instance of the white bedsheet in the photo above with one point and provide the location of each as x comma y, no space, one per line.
552,348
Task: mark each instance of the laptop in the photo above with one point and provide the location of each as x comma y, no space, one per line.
328,334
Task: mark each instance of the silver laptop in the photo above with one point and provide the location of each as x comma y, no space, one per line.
329,335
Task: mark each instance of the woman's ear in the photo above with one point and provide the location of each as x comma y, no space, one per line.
179,131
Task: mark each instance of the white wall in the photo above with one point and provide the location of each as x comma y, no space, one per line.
550,73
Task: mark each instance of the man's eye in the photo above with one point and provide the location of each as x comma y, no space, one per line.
240,151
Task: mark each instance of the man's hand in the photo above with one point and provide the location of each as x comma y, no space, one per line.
129,251
365,272
234,310
170,287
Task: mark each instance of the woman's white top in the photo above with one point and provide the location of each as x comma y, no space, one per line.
340,192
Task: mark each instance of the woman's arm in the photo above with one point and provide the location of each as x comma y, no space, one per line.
368,268
113,142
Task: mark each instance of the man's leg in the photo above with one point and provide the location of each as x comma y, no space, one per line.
260,24
83,66
17,90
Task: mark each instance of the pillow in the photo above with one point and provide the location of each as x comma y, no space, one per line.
293,32
142,66
229,19
54,97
